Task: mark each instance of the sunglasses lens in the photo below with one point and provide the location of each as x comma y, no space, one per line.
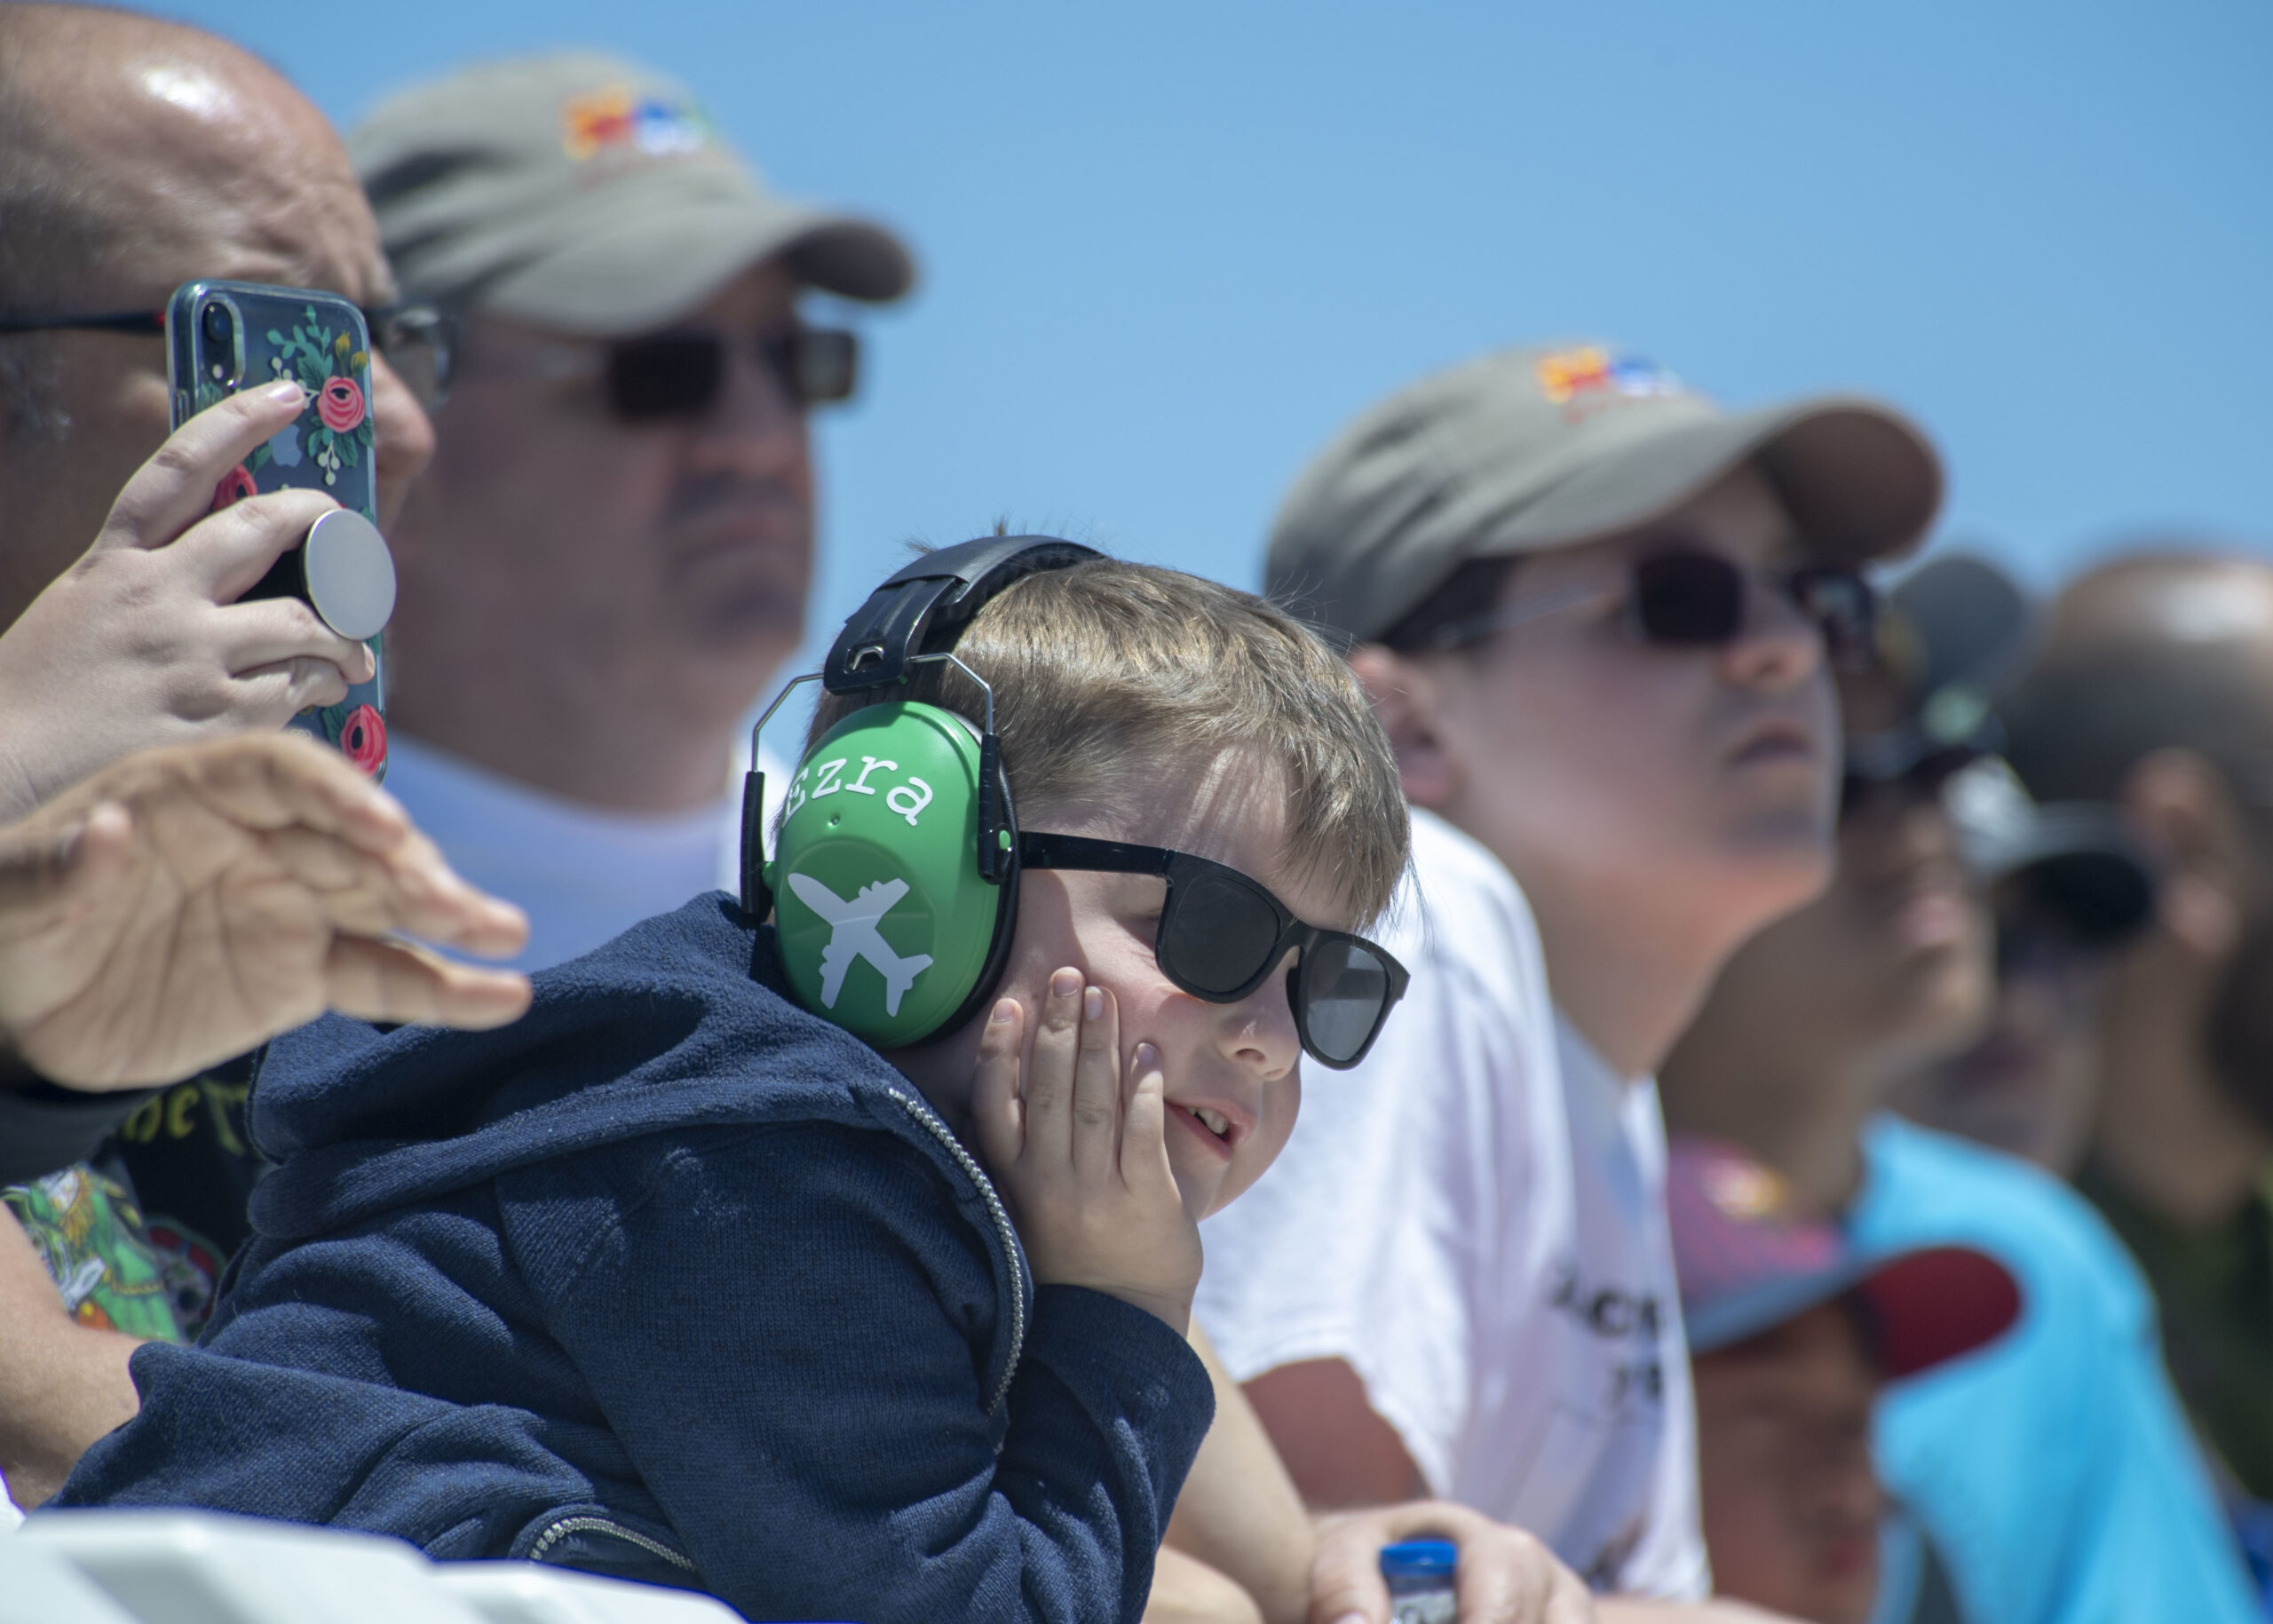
1689,599
652,378
1219,937
824,365
1343,989
1846,607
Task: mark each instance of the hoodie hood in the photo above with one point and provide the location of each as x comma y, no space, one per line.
651,1034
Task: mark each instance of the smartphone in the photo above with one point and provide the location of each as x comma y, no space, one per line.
222,336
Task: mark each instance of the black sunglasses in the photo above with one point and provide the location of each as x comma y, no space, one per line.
419,339
679,374
1221,935
1690,598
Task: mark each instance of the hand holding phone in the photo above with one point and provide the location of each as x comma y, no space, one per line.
144,641
225,337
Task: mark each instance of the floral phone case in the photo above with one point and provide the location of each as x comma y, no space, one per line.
320,340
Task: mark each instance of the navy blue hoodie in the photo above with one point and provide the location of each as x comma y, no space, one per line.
673,1280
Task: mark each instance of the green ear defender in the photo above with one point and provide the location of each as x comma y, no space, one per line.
894,881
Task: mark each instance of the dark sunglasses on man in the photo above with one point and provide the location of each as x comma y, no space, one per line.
1690,598
418,338
1221,934
676,378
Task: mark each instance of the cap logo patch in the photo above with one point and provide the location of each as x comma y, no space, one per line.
613,117
1743,1191
1591,369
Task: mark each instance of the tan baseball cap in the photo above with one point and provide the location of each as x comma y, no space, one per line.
590,194
1556,444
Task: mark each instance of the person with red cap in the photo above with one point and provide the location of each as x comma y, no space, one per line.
1791,1334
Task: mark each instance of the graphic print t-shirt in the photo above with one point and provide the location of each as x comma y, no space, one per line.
1474,1220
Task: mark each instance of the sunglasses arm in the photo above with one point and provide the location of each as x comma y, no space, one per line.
1038,849
1480,626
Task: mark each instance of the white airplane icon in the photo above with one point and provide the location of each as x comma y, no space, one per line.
856,936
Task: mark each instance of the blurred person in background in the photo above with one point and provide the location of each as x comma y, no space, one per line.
609,558
2155,693
135,156
1593,611
1792,1334
2052,1474
2069,888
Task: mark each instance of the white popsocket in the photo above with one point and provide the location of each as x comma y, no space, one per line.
349,574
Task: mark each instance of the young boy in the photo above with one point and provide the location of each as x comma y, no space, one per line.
1592,609
678,1280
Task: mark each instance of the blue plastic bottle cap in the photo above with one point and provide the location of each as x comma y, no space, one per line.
1420,1558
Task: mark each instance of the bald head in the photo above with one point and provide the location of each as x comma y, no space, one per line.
127,143
2156,651
137,156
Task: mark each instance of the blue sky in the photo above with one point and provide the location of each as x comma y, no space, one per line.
1167,249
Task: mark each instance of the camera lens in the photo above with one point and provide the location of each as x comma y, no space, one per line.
220,327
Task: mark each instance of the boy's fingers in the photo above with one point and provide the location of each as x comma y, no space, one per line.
1049,1075
1143,1137
995,1109
1096,1087
167,493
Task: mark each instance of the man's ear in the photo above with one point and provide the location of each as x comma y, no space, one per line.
2180,806
1406,697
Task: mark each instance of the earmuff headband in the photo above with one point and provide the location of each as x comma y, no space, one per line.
924,608
914,618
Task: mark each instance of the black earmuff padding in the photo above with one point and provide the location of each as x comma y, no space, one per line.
758,897
923,609
1006,921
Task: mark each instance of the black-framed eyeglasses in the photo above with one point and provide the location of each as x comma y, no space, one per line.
1222,933
1692,597
419,338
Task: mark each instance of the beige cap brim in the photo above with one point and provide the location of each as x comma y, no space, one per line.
632,272
1861,483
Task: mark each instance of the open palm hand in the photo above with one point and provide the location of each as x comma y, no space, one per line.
187,904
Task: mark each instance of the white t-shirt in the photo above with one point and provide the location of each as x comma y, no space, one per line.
1474,1220
584,875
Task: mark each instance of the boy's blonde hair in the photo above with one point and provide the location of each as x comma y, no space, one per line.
1107,673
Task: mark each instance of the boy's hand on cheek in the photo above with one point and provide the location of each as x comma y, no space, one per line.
1079,1151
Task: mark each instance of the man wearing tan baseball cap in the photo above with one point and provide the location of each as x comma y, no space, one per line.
1599,616
609,555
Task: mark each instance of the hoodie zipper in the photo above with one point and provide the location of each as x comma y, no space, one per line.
1009,1237
584,1523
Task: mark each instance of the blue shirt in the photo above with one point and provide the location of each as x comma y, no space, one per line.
2054,1470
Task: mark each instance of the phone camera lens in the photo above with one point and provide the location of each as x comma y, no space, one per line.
220,327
